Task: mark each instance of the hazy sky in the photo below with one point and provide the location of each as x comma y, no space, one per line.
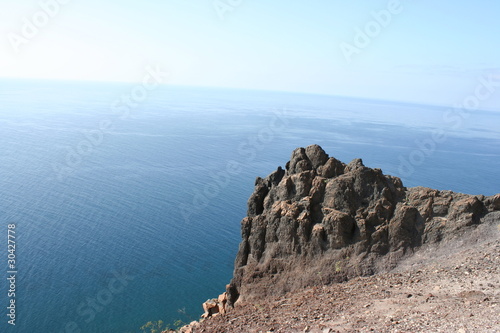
425,51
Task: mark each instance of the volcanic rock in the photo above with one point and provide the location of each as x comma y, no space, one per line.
321,221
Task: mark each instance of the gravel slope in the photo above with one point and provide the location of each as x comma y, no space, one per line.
451,288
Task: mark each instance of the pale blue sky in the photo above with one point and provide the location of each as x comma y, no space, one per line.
431,52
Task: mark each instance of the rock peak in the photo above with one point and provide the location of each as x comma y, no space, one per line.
303,159
321,221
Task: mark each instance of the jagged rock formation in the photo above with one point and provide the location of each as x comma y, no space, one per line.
215,306
322,221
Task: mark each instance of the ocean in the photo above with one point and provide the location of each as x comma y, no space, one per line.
128,210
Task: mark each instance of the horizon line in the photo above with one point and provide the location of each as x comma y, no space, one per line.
84,81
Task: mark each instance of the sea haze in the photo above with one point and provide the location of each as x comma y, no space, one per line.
143,222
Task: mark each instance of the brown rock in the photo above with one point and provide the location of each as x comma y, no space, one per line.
210,307
493,202
222,300
322,221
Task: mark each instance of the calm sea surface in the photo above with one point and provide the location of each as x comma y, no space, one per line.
129,214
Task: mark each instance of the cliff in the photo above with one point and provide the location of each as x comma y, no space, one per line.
411,259
321,221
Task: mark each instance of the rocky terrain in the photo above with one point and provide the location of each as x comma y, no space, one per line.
454,292
334,247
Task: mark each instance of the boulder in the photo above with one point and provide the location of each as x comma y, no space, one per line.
215,306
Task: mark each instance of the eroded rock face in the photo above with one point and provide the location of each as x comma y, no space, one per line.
321,221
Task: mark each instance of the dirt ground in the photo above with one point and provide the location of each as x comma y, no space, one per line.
451,288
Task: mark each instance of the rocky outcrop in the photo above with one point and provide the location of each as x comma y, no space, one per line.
215,306
321,221
212,308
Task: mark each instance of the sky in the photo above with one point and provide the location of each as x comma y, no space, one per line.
433,52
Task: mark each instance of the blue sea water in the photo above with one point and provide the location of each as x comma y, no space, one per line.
126,215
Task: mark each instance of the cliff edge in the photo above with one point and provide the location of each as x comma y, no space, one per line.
321,221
